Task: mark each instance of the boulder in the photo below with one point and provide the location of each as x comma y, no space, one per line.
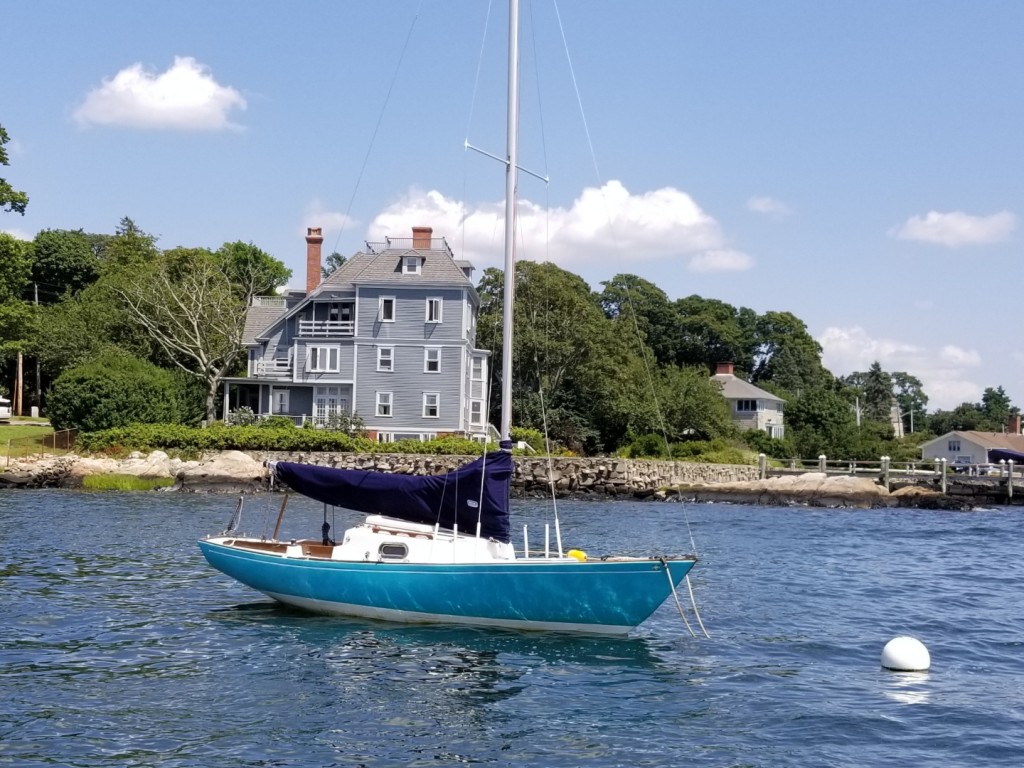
227,472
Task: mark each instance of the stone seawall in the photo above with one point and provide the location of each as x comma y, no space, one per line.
571,476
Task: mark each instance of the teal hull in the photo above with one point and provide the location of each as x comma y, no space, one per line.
608,597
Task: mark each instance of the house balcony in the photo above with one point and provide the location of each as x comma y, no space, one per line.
326,328
278,368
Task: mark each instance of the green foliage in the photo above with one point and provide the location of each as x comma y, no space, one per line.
63,262
333,262
716,451
221,437
251,271
115,390
276,422
770,446
11,200
532,437
15,267
125,483
647,446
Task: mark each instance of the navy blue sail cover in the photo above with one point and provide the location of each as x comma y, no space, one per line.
1005,454
479,490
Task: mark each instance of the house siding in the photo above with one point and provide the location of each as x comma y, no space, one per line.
407,383
410,314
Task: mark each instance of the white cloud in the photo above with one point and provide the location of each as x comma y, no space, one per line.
769,205
184,98
945,374
957,228
608,226
720,261
18,234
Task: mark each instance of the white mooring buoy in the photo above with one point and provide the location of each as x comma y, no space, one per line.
906,654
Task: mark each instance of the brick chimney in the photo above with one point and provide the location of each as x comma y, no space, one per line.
314,241
421,237
723,368
1015,424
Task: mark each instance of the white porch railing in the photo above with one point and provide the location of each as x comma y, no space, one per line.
322,328
280,366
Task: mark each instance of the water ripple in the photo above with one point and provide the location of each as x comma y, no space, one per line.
121,648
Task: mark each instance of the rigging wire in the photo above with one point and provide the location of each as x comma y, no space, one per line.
376,128
614,237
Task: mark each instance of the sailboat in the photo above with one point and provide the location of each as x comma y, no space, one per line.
438,549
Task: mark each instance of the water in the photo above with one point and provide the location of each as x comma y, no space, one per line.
120,647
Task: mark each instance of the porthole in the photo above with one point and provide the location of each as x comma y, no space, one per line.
393,551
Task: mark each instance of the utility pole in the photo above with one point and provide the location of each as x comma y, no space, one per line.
18,384
39,386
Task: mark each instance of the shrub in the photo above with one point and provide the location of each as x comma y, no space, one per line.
114,390
646,447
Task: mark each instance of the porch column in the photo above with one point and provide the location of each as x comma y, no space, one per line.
225,407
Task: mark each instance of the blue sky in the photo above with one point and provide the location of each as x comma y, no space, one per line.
858,163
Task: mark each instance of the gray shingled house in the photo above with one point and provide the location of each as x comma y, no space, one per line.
750,407
390,335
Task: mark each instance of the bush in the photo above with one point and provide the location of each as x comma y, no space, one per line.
532,437
646,447
221,437
117,389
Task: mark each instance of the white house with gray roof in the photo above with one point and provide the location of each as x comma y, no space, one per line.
751,407
389,335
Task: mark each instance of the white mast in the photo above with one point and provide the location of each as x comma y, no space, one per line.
511,195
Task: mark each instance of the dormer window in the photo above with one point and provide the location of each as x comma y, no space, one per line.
411,265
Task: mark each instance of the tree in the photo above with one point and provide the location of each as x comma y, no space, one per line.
64,262
878,395
821,421
334,261
787,355
564,349
188,304
129,248
115,390
997,408
693,404
710,331
911,399
11,200
15,267
251,271
628,299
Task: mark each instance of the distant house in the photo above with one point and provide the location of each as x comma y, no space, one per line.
751,407
390,335
967,447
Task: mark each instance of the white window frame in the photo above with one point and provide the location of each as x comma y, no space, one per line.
385,405
385,437
427,351
411,265
386,362
476,413
954,446
384,301
430,315
323,359
474,374
432,400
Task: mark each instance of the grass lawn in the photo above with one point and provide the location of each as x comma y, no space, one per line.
19,439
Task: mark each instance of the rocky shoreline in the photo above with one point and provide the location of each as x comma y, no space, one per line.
238,472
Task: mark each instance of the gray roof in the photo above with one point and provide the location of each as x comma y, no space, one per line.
258,319
988,440
734,388
439,268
